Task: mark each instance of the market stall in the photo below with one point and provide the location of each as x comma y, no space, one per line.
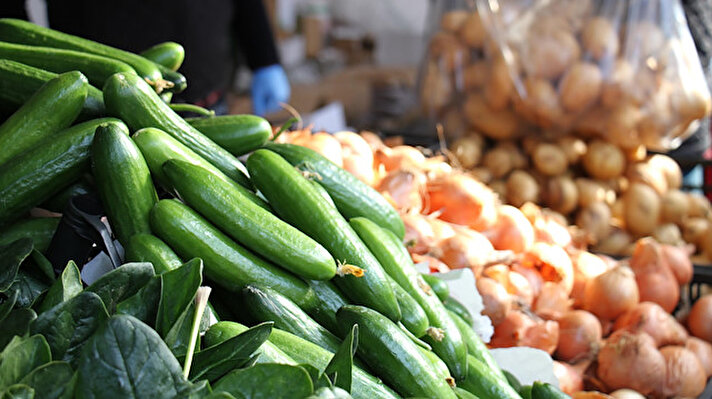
542,244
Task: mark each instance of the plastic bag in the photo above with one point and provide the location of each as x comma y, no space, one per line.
624,70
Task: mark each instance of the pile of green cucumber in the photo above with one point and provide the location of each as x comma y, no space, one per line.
288,237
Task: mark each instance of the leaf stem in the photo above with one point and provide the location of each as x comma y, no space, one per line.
201,300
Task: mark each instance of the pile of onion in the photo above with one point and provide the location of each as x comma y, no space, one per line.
631,361
460,199
656,281
612,293
579,336
650,318
685,376
700,319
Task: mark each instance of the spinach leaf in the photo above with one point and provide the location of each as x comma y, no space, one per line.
17,323
54,380
214,362
125,358
319,379
68,285
121,283
7,306
20,357
68,325
18,391
11,256
143,305
220,395
267,381
178,290
341,364
29,286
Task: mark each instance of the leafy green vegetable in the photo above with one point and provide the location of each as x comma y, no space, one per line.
20,357
7,306
330,393
29,286
11,256
339,369
177,293
17,323
125,358
53,380
67,286
68,325
121,283
319,379
18,391
214,362
267,381
143,305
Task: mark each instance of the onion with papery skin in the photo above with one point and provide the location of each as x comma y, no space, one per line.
604,160
668,233
685,376
511,231
402,156
694,229
357,156
419,236
552,262
612,293
498,162
544,335
617,243
468,150
522,188
675,207
511,330
595,220
532,276
642,209
703,352
698,205
552,302
463,200
434,264
403,188
587,266
570,379
626,394
323,143
496,299
549,159
573,148
579,336
471,251
516,284
631,361
678,259
441,230
650,318
700,319
561,194
656,282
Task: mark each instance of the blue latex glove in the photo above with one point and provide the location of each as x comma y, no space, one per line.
269,87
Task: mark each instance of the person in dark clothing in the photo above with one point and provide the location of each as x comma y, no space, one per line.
211,31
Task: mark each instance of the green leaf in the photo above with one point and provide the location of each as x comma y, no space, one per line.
17,323
178,290
143,305
68,325
121,283
214,362
178,337
54,380
18,391
267,381
7,306
67,286
124,359
29,286
330,393
20,357
220,395
319,379
199,390
11,256
339,369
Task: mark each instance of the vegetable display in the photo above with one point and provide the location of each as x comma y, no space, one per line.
296,276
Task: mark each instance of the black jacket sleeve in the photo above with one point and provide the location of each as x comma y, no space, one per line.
253,33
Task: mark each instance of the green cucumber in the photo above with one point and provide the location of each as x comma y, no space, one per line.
52,108
226,263
123,181
23,32
438,286
297,202
352,196
36,175
438,365
265,304
192,108
458,308
462,394
59,202
239,134
475,346
18,82
96,68
167,54
158,146
414,317
392,355
248,224
40,230
394,258
224,330
149,248
329,300
131,99
526,392
178,80
512,380
482,382
363,385
544,390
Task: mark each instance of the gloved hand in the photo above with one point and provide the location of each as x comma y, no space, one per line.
269,87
